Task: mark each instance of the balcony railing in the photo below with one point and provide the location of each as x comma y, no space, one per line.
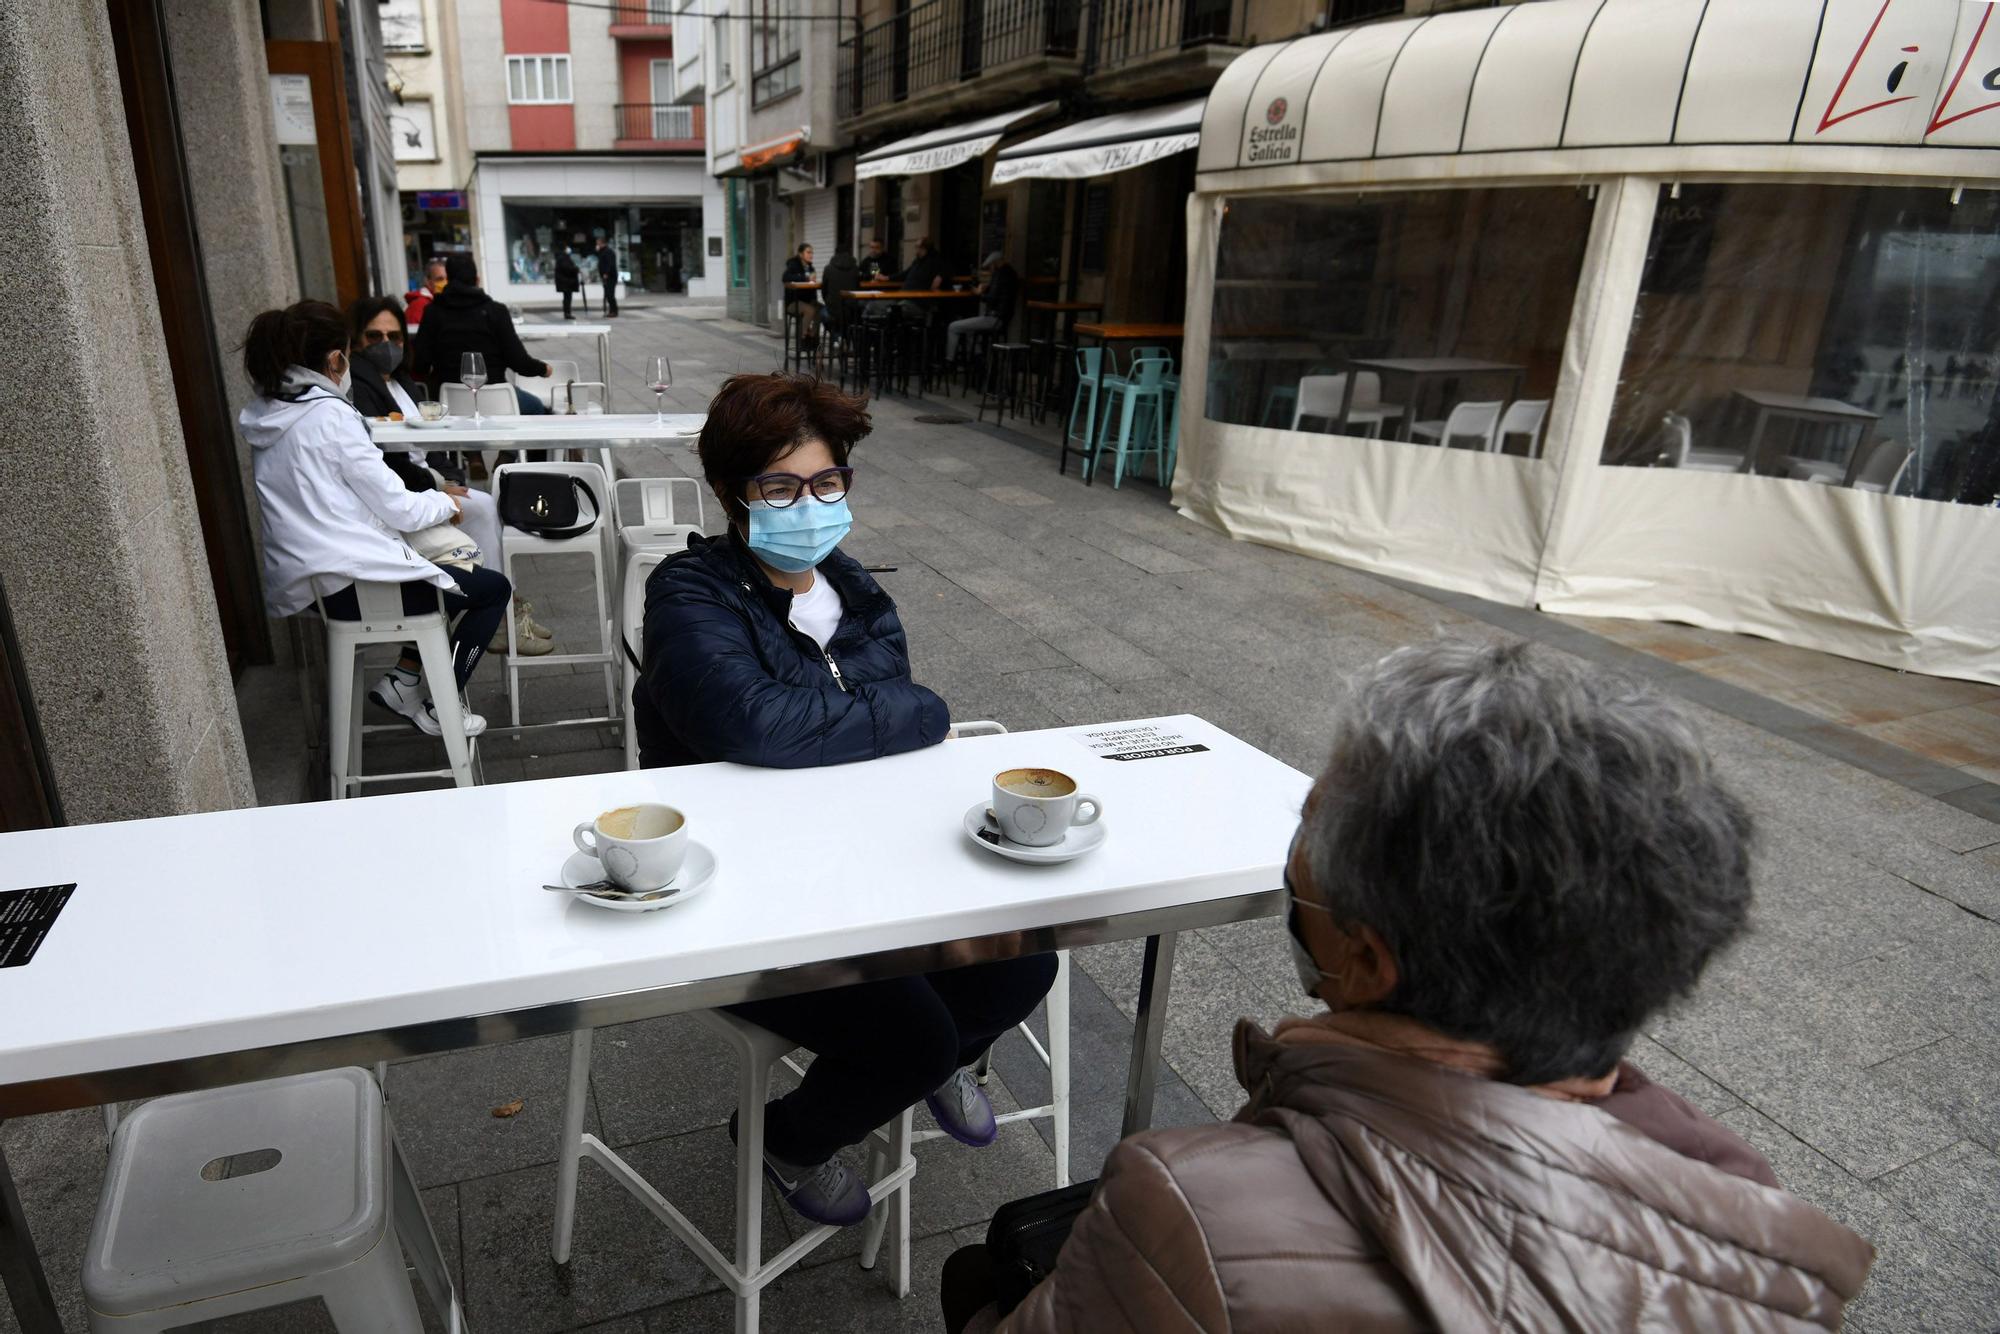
641,14
939,43
1343,12
1129,31
659,125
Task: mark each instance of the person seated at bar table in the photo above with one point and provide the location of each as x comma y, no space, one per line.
463,318
770,646
997,295
376,340
928,272
332,512
803,307
875,264
1509,866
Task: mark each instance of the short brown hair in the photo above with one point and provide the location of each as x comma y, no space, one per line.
758,419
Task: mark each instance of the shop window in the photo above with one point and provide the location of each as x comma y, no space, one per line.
738,203
774,55
1435,317
533,80
1833,335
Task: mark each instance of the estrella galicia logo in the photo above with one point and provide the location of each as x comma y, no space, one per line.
1276,111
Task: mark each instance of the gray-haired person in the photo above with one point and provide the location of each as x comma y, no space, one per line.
997,296
1510,863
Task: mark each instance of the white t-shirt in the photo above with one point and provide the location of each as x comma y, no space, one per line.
817,611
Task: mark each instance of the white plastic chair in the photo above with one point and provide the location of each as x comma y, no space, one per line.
1522,417
1465,421
588,395
639,566
383,621
252,1197
456,397
651,519
1885,469
498,400
891,1167
1678,449
1319,396
517,543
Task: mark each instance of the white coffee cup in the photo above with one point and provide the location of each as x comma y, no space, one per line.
640,847
1038,807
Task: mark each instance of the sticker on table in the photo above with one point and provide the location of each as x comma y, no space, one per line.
25,918
1140,742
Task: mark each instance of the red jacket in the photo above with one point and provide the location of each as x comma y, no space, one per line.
413,306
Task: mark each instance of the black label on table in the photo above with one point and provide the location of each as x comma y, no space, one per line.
1159,752
25,918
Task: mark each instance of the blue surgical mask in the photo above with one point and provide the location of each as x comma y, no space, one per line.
801,535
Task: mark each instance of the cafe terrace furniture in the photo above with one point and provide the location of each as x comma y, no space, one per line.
234,1200
383,621
1091,385
516,543
1198,824
1425,380
1141,417
1467,421
606,433
1829,412
533,333
639,567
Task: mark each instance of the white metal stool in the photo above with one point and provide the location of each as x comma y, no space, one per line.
891,1167
639,566
516,543
383,621
247,1198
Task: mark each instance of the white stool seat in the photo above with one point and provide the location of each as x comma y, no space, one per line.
517,544
246,1198
383,621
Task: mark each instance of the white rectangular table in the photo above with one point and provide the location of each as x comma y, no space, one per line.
531,333
1801,407
607,430
206,950
1420,372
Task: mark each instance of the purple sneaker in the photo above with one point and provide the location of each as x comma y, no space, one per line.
826,1193
962,1110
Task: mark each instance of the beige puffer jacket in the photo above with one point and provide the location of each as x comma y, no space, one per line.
1363,1190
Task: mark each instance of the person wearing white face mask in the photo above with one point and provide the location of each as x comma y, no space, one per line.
333,512
771,646
377,341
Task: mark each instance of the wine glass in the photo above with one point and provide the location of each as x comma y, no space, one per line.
660,379
472,373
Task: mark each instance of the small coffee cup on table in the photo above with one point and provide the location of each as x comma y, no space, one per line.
640,847
1038,807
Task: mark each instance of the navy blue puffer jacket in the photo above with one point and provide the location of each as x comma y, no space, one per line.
725,676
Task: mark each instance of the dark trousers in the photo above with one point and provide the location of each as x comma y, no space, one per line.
878,1047
966,1287
567,298
479,605
611,298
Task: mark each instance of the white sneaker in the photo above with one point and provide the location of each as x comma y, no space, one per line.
408,699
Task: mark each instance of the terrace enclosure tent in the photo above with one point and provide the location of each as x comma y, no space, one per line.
1669,309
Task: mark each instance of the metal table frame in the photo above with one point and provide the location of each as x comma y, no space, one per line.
20,1265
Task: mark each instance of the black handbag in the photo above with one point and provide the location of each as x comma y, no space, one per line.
1025,1237
544,503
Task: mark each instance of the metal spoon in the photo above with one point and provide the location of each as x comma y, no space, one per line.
606,889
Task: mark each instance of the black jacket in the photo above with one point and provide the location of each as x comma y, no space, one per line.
1003,290
798,271
841,275
607,265
371,399
568,276
873,266
920,275
465,319
725,676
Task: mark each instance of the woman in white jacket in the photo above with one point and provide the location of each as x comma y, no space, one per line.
334,512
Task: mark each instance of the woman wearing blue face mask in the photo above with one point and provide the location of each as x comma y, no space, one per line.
769,646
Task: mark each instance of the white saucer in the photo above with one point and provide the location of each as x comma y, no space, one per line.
1079,840
419,424
697,874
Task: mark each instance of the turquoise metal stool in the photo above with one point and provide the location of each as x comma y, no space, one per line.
1143,398
1091,385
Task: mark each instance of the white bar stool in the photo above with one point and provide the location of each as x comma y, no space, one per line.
747,1275
891,1167
639,566
247,1198
383,621
516,543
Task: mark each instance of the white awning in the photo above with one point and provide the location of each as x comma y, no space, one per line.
1583,74
935,150
1104,144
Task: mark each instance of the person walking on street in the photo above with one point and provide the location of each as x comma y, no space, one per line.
568,278
607,273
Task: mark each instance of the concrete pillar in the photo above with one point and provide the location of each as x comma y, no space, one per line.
102,550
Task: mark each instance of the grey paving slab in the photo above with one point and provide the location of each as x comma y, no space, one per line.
661,1077
828,1297
1955,1191
1957,1081
443,1107
58,1166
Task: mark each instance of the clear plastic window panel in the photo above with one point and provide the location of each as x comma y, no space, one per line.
1434,317
1832,335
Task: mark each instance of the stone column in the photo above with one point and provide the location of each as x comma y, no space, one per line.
102,550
